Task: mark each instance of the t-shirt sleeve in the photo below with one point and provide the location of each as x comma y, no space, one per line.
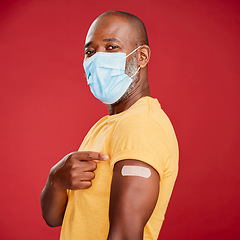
139,137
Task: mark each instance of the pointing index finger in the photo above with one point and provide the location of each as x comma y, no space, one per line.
90,155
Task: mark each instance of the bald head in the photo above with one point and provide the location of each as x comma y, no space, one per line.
135,23
125,30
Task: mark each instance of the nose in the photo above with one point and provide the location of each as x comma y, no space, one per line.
100,49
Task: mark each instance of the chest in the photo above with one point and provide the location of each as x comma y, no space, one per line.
98,140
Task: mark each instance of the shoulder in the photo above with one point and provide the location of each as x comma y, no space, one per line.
139,137
135,122
144,133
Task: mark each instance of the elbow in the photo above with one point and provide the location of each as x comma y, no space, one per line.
52,223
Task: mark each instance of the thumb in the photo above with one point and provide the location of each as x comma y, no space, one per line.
102,156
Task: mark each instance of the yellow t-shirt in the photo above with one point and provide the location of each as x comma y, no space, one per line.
142,132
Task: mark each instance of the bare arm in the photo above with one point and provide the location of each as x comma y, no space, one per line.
132,202
72,172
53,203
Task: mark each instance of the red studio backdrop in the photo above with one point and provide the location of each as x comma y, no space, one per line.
47,108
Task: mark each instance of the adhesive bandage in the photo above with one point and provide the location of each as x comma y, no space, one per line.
138,171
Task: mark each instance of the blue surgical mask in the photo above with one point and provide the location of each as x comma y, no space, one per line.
106,75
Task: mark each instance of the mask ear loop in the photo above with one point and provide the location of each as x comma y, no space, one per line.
134,51
135,73
129,55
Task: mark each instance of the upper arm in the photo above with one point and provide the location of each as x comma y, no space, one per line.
132,201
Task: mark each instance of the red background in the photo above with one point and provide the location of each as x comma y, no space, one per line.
47,108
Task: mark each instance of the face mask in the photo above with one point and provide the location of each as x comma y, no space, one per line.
106,75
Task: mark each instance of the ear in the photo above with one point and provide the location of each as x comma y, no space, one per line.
143,56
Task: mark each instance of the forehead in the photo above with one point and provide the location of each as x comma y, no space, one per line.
110,27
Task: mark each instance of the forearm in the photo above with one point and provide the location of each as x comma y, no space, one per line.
53,204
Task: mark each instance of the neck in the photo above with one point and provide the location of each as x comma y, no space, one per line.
140,90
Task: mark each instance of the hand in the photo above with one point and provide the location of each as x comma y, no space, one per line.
76,170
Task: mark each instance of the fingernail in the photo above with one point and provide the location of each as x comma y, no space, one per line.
104,156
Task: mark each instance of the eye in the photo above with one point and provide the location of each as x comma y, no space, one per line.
89,52
112,47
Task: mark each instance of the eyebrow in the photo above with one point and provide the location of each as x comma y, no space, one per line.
111,40
105,40
88,44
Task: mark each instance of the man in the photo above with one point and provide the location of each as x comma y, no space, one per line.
118,185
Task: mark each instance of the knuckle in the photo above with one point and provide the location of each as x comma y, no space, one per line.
72,178
70,169
72,157
90,155
73,165
68,161
69,157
